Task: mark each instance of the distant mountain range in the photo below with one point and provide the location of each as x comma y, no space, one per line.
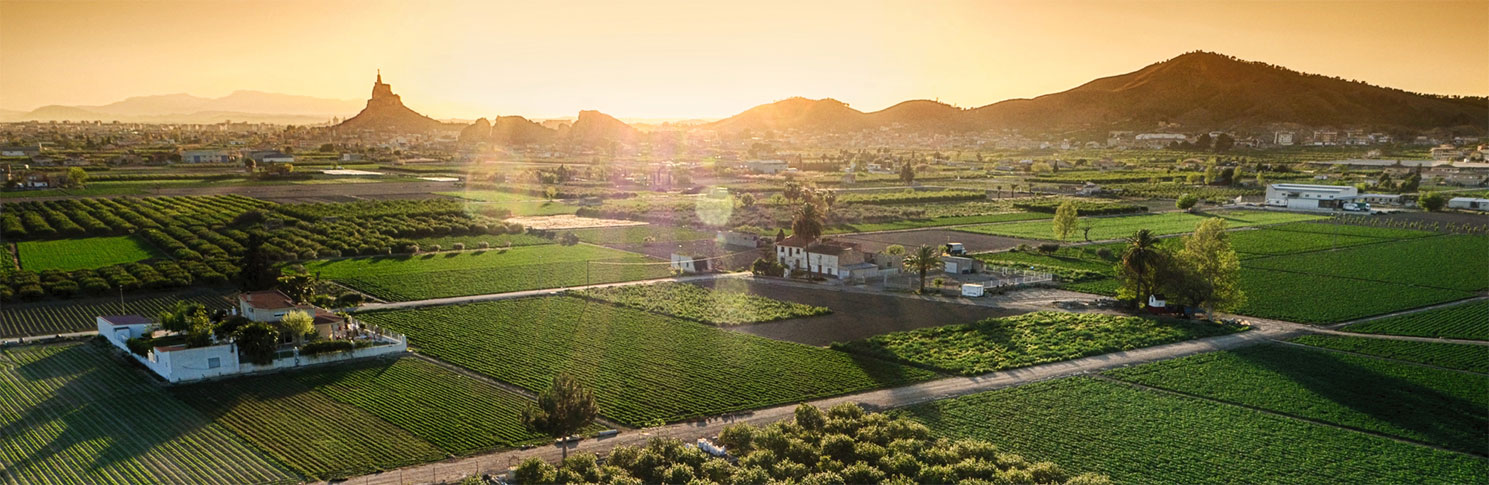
1197,91
253,106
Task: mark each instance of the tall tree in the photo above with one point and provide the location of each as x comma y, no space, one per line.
1208,255
907,173
808,223
298,324
256,269
182,316
1432,201
299,286
562,410
1186,201
1065,220
1140,263
924,259
76,177
257,341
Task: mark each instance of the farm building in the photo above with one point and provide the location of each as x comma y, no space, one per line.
1301,196
206,156
1468,203
272,305
689,264
834,259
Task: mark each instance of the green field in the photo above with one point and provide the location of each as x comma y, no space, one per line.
638,234
1434,406
1141,436
306,430
496,241
459,414
1349,230
424,276
70,414
1267,242
1449,262
1308,298
49,318
93,252
941,221
1104,228
692,302
1466,321
1469,357
1024,340
643,367
519,204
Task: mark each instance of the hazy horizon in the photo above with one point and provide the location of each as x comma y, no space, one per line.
684,61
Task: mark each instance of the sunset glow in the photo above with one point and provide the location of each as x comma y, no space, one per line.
700,59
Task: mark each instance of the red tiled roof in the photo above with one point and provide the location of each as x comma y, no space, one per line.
322,316
269,299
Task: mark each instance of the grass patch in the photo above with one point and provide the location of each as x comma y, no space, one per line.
1469,357
692,302
638,234
1119,227
1024,340
519,204
1444,408
644,368
1141,436
439,275
92,252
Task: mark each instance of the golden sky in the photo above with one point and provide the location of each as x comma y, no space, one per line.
704,59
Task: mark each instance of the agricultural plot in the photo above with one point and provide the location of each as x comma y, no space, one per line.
459,414
93,252
644,368
714,307
27,319
70,415
1024,340
1466,321
639,234
7,258
1469,357
1268,242
1448,262
1352,230
1103,228
941,221
519,204
1143,436
1309,298
494,241
1439,407
418,277
315,435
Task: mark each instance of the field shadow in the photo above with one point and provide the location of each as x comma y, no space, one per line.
1435,417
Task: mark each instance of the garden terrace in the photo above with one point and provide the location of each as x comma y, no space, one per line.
690,370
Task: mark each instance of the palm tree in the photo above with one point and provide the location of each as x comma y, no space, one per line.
1139,261
925,258
808,223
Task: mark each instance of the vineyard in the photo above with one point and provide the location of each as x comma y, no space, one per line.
716,307
643,367
47,318
404,278
1450,262
1468,321
306,430
1103,228
1024,340
72,415
1467,357
1435,406
1140,436
459,414
73,254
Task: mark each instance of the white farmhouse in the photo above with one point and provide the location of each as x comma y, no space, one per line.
1301,196
833,259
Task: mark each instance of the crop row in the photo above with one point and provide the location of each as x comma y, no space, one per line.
1454,262
1468,321
1123,226
1143,436
74,416
93,252
642,367
154,274
1030,339
105,217
1440,407
1467,357
717,307
48,318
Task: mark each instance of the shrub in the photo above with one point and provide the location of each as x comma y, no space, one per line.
326,346
535,470
1049,248
458,246
434,248
484,245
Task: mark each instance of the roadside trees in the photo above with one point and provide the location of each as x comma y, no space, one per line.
562,410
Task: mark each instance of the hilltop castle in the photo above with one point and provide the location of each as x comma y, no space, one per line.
385,112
